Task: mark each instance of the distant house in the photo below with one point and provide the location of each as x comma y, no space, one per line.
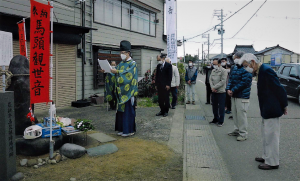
244,48
286,55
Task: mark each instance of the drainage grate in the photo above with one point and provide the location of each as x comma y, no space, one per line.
190,117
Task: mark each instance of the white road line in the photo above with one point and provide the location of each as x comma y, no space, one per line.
201,81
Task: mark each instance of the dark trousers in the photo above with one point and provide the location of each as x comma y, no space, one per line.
218,106
164,99
174,92
208,93
228,102
113,102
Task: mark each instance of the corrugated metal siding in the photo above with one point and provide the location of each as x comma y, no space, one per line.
66,75
147,56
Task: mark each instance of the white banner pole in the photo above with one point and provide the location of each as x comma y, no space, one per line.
51,80
171,11
25,37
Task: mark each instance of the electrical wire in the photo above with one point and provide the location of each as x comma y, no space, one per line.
223,21
250,18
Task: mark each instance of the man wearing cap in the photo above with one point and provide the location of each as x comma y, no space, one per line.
122,82
163,84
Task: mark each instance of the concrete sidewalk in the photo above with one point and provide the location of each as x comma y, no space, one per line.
202,159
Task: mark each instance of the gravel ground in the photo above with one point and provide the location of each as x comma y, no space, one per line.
149,126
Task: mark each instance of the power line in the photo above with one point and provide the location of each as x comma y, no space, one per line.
250,18
223,21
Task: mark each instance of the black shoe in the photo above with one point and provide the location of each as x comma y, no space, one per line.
230,117
165,115
173,107
259,159
207,103
213,122
267,167
159,114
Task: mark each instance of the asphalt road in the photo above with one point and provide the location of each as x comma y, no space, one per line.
239,156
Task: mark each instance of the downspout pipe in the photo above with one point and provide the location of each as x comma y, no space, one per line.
83,45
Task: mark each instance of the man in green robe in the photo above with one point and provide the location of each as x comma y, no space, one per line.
123,83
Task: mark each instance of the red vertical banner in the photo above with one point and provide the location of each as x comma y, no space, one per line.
22,39
39,52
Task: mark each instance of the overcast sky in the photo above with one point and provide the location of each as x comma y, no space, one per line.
277,22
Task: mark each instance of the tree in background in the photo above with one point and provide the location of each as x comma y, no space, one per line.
189,57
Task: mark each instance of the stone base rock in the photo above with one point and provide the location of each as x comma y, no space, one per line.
37,147
102,150
72,151
32,162
23,162
18,176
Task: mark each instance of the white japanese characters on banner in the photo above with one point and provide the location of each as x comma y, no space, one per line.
171,13
6,48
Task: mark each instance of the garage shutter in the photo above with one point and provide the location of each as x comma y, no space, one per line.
66,82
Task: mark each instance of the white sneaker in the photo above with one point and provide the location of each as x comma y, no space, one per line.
126,135
119,133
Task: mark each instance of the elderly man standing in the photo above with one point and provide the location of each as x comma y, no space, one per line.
273,104
239,87
163,83
174,84
217,81
190,78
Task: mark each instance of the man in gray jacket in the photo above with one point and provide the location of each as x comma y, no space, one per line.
190,78
217,82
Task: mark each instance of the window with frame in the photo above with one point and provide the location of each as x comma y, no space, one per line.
109,55
286,71
125,15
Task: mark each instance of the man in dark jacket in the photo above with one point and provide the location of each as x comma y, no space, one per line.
208,69
163,83
239,87
273,104
191,78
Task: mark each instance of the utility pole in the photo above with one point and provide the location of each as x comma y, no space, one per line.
198,60
208,48
222,32
183,50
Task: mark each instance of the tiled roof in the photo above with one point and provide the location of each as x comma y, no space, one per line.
218,56
269,48
244,48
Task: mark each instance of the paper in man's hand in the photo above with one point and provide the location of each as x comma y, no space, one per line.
105,65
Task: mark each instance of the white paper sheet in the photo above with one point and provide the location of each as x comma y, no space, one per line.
105,65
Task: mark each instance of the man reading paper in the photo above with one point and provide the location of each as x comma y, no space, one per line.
122,82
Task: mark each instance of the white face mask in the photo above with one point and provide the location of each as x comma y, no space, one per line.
250,70
236,61
223,63
123,56
113,67
216,67
190,64
160,62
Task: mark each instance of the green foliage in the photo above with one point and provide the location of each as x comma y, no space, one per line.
189,57
146,102
155,99
84,125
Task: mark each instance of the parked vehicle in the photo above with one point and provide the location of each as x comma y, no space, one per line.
289,77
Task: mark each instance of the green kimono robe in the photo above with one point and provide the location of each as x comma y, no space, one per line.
124,84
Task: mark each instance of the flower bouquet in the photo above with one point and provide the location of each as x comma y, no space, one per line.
84,125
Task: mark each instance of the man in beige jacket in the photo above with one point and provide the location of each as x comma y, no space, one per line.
174,84
217,82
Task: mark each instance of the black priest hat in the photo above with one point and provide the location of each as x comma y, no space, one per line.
125,46
163,55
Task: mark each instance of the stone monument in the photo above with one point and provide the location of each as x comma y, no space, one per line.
19,67
7,135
